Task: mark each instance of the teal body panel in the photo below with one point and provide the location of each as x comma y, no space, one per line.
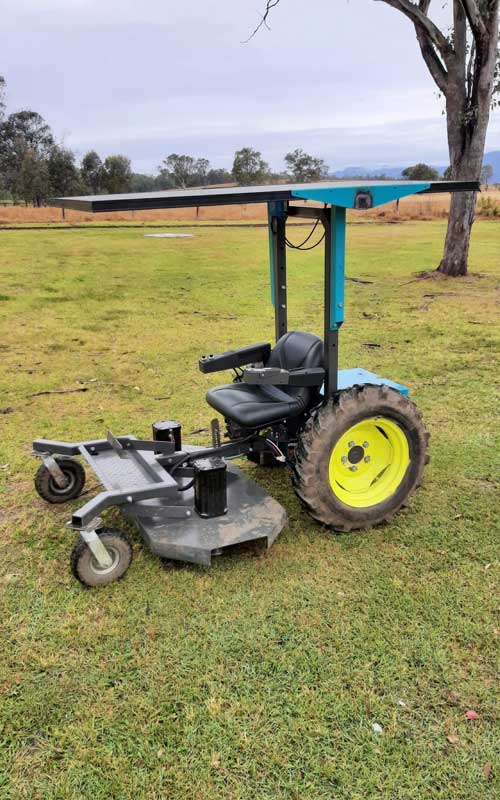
359,377
345,197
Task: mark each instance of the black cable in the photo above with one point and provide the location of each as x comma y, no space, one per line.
307,248
298,246
301,245
186,487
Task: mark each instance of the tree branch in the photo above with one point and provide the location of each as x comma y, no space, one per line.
460,34
432,60
263,22
474,18
470,69
418,15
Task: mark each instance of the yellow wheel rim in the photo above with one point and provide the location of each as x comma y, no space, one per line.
369,462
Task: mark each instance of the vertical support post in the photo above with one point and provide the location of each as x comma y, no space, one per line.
335,225
277,257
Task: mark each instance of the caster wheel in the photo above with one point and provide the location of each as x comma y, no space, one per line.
87,570
48,489
360,457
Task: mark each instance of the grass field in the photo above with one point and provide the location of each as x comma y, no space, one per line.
262,678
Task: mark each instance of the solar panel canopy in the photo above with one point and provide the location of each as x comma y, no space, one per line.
338,193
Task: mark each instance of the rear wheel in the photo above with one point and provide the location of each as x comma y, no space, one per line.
360,457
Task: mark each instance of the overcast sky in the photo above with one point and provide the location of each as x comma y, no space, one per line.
341,78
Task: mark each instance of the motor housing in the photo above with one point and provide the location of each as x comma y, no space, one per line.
168,430
210,486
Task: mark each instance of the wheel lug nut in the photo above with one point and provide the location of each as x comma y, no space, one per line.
352,444
353,468
366,444
344,459
367,459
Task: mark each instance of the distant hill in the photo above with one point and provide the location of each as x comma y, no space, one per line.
395,173
493,158
365,172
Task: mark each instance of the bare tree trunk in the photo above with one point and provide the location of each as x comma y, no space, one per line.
466,142
460,221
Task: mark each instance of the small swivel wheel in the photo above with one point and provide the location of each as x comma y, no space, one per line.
47,487
86,568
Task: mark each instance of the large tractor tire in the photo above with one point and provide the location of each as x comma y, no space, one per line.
360,457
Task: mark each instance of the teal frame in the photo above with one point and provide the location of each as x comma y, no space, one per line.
337,267
336,199
334,223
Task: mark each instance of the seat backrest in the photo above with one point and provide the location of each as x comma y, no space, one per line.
297,350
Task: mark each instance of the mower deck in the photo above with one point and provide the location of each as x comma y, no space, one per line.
252,516
147,494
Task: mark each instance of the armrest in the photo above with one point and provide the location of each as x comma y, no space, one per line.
235,358
274,376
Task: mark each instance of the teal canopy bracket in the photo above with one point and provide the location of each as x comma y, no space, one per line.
360,197
336,266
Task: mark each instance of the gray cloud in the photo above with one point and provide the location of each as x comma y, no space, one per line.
343,80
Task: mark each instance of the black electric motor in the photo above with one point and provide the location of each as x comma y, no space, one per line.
168,431
210,486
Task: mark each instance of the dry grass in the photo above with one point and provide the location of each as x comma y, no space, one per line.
426,207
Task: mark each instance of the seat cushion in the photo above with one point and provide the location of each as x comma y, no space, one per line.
296,350
254,406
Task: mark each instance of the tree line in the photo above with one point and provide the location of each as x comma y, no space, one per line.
35,167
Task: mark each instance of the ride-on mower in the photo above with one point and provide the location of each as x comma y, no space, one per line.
355,444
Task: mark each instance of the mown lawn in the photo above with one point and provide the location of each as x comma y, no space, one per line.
262,678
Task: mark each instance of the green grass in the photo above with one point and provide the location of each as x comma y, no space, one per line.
261,678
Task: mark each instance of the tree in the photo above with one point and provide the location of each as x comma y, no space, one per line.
420,172
91,171
116,174
447,174
181,171
24,137
249,167
32,182
142,183
2,98
2,117
486,174
304,167
218,176
64,177
465,66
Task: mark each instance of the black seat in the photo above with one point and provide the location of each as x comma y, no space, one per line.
254,406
